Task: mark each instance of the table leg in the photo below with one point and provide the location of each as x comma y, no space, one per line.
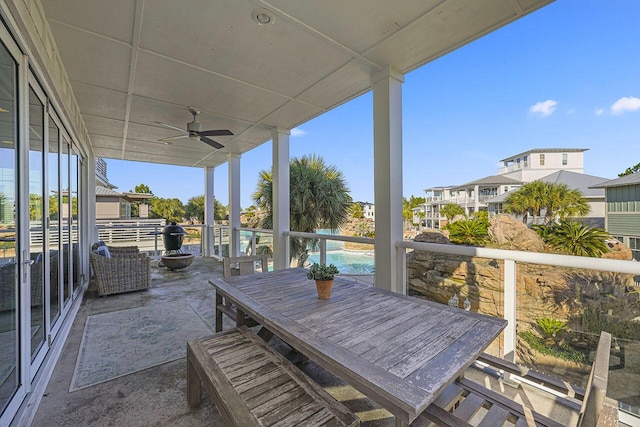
218,313
239,317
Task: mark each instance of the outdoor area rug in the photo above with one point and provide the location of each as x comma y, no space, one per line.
123,342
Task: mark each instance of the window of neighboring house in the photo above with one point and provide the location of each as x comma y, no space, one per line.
525,161
564,159
541,159
619,238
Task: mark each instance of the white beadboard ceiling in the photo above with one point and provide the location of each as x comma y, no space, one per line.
134,62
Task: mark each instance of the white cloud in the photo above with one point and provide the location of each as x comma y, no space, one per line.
599,112
625,104
298,132
544,108
571,111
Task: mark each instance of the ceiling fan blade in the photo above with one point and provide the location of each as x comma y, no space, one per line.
211,142
171,138
167,125
218,132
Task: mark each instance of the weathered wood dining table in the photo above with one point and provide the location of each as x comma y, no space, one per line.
399,351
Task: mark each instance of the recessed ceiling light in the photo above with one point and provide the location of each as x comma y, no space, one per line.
263,16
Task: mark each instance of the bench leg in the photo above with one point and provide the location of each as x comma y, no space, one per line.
218,313
265,334
194,387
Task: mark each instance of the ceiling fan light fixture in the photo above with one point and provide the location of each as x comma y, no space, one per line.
263,16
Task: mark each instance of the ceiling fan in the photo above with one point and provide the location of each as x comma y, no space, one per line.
194,131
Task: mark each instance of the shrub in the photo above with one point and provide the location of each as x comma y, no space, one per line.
551,327
564,351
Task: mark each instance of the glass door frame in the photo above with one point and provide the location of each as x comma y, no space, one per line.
42,352
21,176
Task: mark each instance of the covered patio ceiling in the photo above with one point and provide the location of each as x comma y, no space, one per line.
132,63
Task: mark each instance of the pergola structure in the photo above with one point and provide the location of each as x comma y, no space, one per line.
108,74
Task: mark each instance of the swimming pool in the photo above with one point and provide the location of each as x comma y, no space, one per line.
348,262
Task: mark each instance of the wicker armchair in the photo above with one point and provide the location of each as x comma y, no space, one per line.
127,270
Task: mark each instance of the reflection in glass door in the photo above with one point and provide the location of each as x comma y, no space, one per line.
36,221
65,220
9,276
54,223
75,206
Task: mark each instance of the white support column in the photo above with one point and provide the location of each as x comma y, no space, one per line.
234,204
476,198
387,135
281,205
209,209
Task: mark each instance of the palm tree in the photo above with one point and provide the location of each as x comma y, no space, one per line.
451,210
575,238
558,201
562,202
527,200
319,198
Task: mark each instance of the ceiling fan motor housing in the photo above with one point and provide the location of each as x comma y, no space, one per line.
193,127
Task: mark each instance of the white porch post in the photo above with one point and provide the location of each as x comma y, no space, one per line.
281,205
476,198
209,209
387,135
234,204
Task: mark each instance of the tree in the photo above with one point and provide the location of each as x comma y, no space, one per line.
557,200
631,170
319,198
142,188
408,205
195,209
170,209
574,238
356,211
527,201
451,210
563,202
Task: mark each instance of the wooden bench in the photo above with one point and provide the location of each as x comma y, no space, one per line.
253,385
465,400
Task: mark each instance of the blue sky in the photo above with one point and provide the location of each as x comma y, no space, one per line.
566,76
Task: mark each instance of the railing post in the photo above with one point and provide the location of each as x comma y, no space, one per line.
510,312
323,251
402,269
287,251
155,240
253,243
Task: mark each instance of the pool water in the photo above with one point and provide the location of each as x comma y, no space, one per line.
348,262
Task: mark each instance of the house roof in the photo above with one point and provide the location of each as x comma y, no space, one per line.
490,180
136,66
579,181
633,179
546,150
574,180
104,191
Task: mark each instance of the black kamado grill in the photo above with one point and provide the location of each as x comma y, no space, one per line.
173,236
174,258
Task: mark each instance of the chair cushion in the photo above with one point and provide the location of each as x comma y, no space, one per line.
103,251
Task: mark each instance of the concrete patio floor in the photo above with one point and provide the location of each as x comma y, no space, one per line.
157,396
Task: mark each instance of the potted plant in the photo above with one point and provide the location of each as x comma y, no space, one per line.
323,275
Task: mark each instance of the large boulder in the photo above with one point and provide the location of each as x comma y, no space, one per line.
618,250
509,233
432,237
